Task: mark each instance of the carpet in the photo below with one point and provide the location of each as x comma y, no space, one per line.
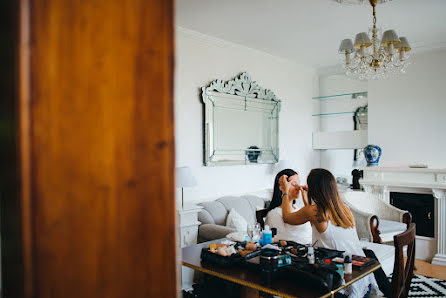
423,286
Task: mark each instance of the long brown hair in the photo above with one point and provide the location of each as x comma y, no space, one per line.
323,191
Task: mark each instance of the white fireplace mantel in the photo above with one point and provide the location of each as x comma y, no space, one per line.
381,181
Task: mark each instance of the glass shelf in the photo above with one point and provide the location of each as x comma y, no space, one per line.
329,114
356,95
338,113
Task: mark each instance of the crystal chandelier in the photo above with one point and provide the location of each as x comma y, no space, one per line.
375,58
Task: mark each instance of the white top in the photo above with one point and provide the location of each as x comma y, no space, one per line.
298,233
338,238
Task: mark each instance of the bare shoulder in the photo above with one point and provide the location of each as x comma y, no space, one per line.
310,210
318,220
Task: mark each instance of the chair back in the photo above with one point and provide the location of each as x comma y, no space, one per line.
260,215
362,201
403,271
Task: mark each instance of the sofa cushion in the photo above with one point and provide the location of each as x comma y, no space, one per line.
205,217
215,209
241,205
208,232
256,203
390,226
236,221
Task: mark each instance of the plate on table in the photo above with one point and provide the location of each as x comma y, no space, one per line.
237,236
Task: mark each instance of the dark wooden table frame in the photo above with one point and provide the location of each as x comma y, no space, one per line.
249,278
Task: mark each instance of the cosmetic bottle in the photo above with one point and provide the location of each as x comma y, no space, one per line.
267,236
310,255
340,270
348,264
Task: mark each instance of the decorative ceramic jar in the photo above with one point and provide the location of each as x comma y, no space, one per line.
253,153
372,153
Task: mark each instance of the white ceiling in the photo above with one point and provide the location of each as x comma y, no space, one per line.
310,31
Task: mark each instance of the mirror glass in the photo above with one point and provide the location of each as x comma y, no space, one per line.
241,123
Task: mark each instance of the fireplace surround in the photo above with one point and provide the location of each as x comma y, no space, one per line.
385,182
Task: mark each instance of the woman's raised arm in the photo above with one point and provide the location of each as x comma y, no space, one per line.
289,194
299,217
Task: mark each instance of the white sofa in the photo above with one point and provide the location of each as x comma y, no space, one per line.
214,213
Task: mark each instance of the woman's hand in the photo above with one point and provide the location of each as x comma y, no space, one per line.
285,185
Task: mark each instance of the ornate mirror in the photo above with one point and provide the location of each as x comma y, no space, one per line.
241,123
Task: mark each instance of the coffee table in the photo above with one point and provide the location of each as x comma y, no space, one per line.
252,279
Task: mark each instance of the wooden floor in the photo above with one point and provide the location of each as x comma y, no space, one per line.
427,269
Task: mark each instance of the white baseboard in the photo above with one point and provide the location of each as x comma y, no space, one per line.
439,259
425,248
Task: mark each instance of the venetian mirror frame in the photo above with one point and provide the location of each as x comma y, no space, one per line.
241,123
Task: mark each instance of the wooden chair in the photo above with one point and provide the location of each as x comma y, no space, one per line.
374,226
260,215
403,271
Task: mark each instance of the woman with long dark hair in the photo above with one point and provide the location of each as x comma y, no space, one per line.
332,222
299,234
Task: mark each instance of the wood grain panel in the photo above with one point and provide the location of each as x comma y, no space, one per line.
101,148
11,244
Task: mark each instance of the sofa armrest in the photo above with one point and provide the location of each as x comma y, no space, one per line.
208,232
362,223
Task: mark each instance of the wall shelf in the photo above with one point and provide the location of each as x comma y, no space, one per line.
355,95
336,123
353,139
331,114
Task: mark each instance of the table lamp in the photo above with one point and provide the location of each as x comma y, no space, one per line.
184,178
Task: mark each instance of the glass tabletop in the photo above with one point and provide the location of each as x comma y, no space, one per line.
252,278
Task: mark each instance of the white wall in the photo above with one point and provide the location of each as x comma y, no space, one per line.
407,113
339,83
201,59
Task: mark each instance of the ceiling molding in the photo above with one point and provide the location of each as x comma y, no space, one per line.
308,32
222,43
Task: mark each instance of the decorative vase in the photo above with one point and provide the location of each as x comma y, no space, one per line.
372,153
253,153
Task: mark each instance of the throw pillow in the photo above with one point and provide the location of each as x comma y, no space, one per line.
236,221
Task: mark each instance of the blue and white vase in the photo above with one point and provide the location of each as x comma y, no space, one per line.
253,153
372,153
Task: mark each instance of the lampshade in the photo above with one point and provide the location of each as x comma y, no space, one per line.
404,44
346,46
362,39
184,177
389,37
